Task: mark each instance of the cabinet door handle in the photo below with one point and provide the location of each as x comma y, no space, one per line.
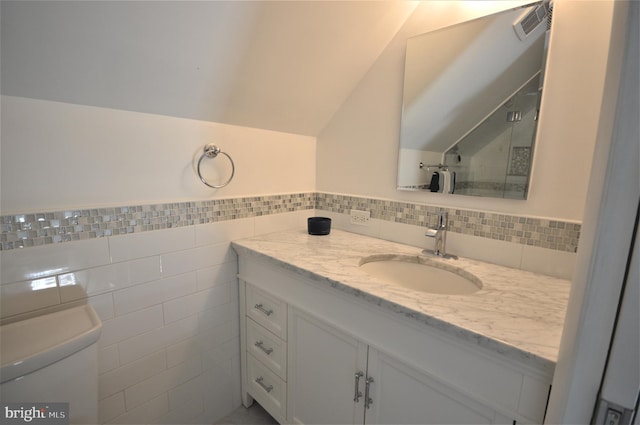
368,401
264,310
357,394
260,345
267,388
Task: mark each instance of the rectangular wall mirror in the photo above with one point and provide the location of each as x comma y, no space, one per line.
471,102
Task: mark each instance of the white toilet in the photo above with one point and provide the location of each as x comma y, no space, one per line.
53,358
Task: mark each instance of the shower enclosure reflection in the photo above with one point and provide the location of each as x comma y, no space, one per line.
494,159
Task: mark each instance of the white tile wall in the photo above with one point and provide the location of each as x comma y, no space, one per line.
108,278
149,412
152,293
169,350
28,295
41,261
554,263
111,407
125,376
146,244
541,260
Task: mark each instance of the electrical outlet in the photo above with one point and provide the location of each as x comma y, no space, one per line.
360,217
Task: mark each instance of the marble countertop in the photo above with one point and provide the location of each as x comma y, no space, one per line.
517,313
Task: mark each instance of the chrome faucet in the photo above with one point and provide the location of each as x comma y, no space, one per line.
439,233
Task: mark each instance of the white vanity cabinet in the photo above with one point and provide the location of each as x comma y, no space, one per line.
263,324
351,361
334,378
326,368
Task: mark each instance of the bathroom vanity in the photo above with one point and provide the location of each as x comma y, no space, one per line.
323,341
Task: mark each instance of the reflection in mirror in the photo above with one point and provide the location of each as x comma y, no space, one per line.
470,105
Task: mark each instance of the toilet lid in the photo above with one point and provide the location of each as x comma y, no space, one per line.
31,344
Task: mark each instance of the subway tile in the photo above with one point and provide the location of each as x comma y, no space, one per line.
103,279
221,353
492,251
218,391
210,338
550,262
181,394
186,413
235,380
144,413
69,291
111,407
147,244
148,294
126,326
182,307
108,358
220,273
197,258
130,374
142,345
30,295
406,234
279,222
162,382
182,351
372,230
219,314
37,262
103,305
223,231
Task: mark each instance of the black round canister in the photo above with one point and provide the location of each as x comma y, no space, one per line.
319,225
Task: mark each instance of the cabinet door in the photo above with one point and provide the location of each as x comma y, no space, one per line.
403,395
322,367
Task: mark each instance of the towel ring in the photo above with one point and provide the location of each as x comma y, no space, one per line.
212,151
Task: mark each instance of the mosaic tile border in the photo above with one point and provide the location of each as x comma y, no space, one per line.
36,229
27,230
551,234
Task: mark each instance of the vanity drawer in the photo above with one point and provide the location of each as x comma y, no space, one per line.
267,388
267,348
267,311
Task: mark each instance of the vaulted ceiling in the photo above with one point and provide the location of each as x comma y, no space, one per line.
277,65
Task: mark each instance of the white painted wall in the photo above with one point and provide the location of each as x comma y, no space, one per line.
358,151
58,155
283,66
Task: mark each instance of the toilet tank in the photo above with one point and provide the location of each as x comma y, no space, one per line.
53,358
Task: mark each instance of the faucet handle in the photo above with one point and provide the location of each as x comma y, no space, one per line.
443,219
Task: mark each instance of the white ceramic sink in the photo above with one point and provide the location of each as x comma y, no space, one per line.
421,274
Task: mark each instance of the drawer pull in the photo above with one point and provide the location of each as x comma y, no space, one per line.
264,310
357,394
260,345
368,401
267,388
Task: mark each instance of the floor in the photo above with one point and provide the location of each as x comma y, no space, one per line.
254,415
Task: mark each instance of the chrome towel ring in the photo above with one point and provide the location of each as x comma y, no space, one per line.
212,151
